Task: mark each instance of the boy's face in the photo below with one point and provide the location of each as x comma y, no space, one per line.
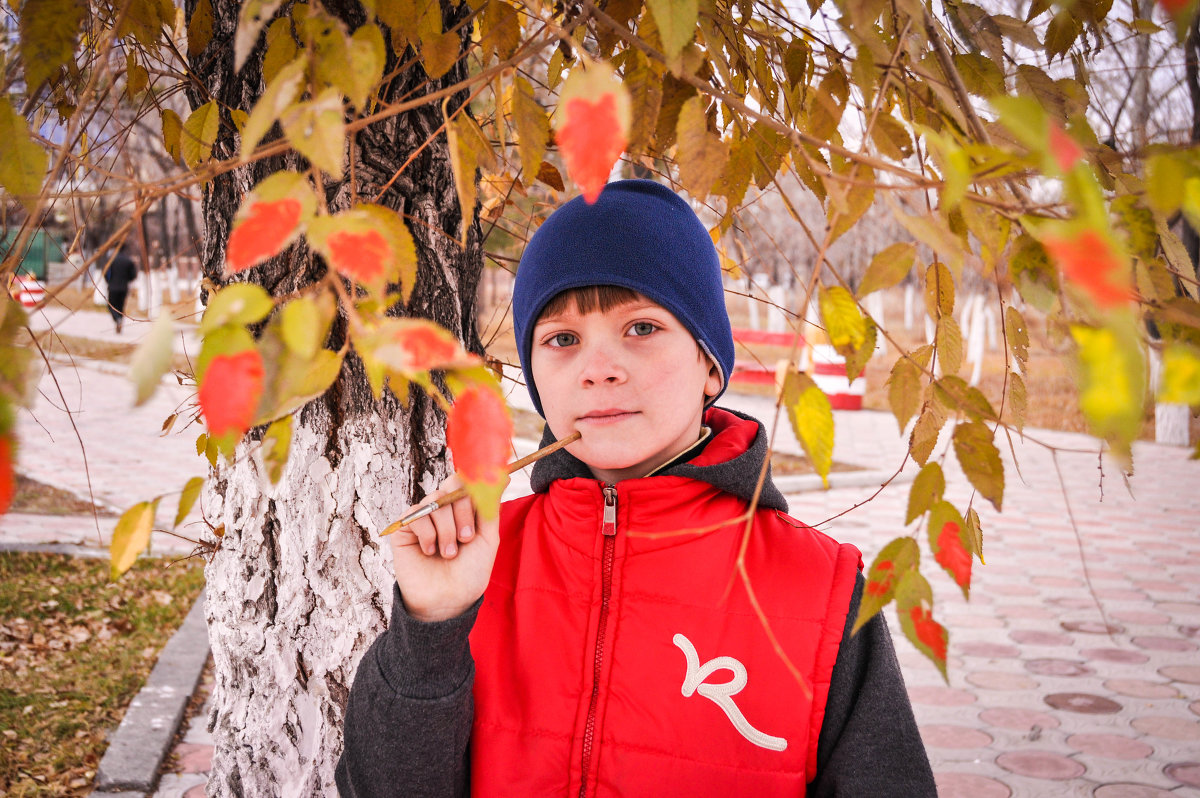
632,380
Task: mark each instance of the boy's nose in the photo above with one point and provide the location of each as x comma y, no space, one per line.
600,367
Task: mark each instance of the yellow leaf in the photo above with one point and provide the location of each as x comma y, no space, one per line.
676,22
1181,375
701,154
850,201
980,460
500,28
23,165
317,130
888,268
1017,400
1111,382
949,345
939,291
276,443
904,391
367,55
281,91
281,49
131,537
844,322
812,420
172,131
152,358
49,31
925,432
533,129
199,28
253,15
136,76
145,21
926,490
439,53
191,491
199,133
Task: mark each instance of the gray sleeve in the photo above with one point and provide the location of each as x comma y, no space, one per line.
869,743
408,719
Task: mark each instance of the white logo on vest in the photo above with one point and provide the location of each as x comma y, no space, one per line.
722,694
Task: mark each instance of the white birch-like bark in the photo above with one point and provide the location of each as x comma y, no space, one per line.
299,589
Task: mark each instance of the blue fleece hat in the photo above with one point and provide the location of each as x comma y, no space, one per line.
639,235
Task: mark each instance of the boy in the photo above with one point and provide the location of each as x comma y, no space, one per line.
605,658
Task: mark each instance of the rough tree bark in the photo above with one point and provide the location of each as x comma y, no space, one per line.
300,586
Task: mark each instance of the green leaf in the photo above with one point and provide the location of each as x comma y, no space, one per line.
926,490
844,322
812,420
191,492
701,153
23,165
276,444
1165,178
904,390
980,460
172,133
302,326
317,130
894,560
152,358
253,15
533,129
914,607
199,133
949,345
1180,375
676,21
888,268
1111,382
939,291
199,28
239,303
281,92
131,537
49,32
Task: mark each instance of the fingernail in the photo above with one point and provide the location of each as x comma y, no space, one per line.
466,533
451,549
430,549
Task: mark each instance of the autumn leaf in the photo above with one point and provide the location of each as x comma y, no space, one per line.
409,349
251,18
172,130
950,542
893,561
914,606
229,392
187,499
592,126
369,244
811,417
1063,149
49,32
131,537
479,434
8,482
24,163
199,133
1090,261
980,460
926,490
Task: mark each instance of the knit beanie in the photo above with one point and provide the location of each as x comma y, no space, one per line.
639,235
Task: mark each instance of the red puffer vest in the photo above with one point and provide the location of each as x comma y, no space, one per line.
616,659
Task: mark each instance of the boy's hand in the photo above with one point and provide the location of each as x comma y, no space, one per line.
443,561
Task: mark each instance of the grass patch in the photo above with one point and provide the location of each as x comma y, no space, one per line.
41,499
74,650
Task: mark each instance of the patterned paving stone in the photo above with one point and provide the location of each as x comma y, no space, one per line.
1056,581
1058,667
1093,627
1179,607
1072,602
1027,612
941,696
1128,790
968,785
1039,637
1121,655
1158,643
1019,719
1182,673
1083,703
1184,772
1119,594
948,736
1000,680
1167,727
1113,746
1041,765
1141,688
1194,707
194,758
982,648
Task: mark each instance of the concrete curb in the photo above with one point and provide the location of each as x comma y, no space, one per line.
143,740
69,549
807,483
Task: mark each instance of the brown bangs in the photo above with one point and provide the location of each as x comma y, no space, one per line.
590,299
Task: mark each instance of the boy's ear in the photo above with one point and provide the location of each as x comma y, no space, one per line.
712,385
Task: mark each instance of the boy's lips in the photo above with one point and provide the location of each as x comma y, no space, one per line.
608,416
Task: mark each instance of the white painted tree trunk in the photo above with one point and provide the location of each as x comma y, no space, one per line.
297,592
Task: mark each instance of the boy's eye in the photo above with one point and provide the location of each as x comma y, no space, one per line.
642,328
562,339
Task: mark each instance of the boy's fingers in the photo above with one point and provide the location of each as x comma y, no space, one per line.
447,531
464,519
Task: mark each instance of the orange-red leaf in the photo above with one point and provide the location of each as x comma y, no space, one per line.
1174,7
8,483
929,632
591,140
1064,149
362,256
478,433
1089,260
263,233
424,347
952,555
230,391
882,581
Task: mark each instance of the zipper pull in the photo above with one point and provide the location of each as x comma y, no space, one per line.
609,527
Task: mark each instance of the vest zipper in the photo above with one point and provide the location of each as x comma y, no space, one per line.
608,529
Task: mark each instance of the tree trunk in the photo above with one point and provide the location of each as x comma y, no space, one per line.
301,586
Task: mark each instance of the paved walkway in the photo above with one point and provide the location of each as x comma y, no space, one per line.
1073,669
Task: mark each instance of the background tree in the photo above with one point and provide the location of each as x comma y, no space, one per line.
358,161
